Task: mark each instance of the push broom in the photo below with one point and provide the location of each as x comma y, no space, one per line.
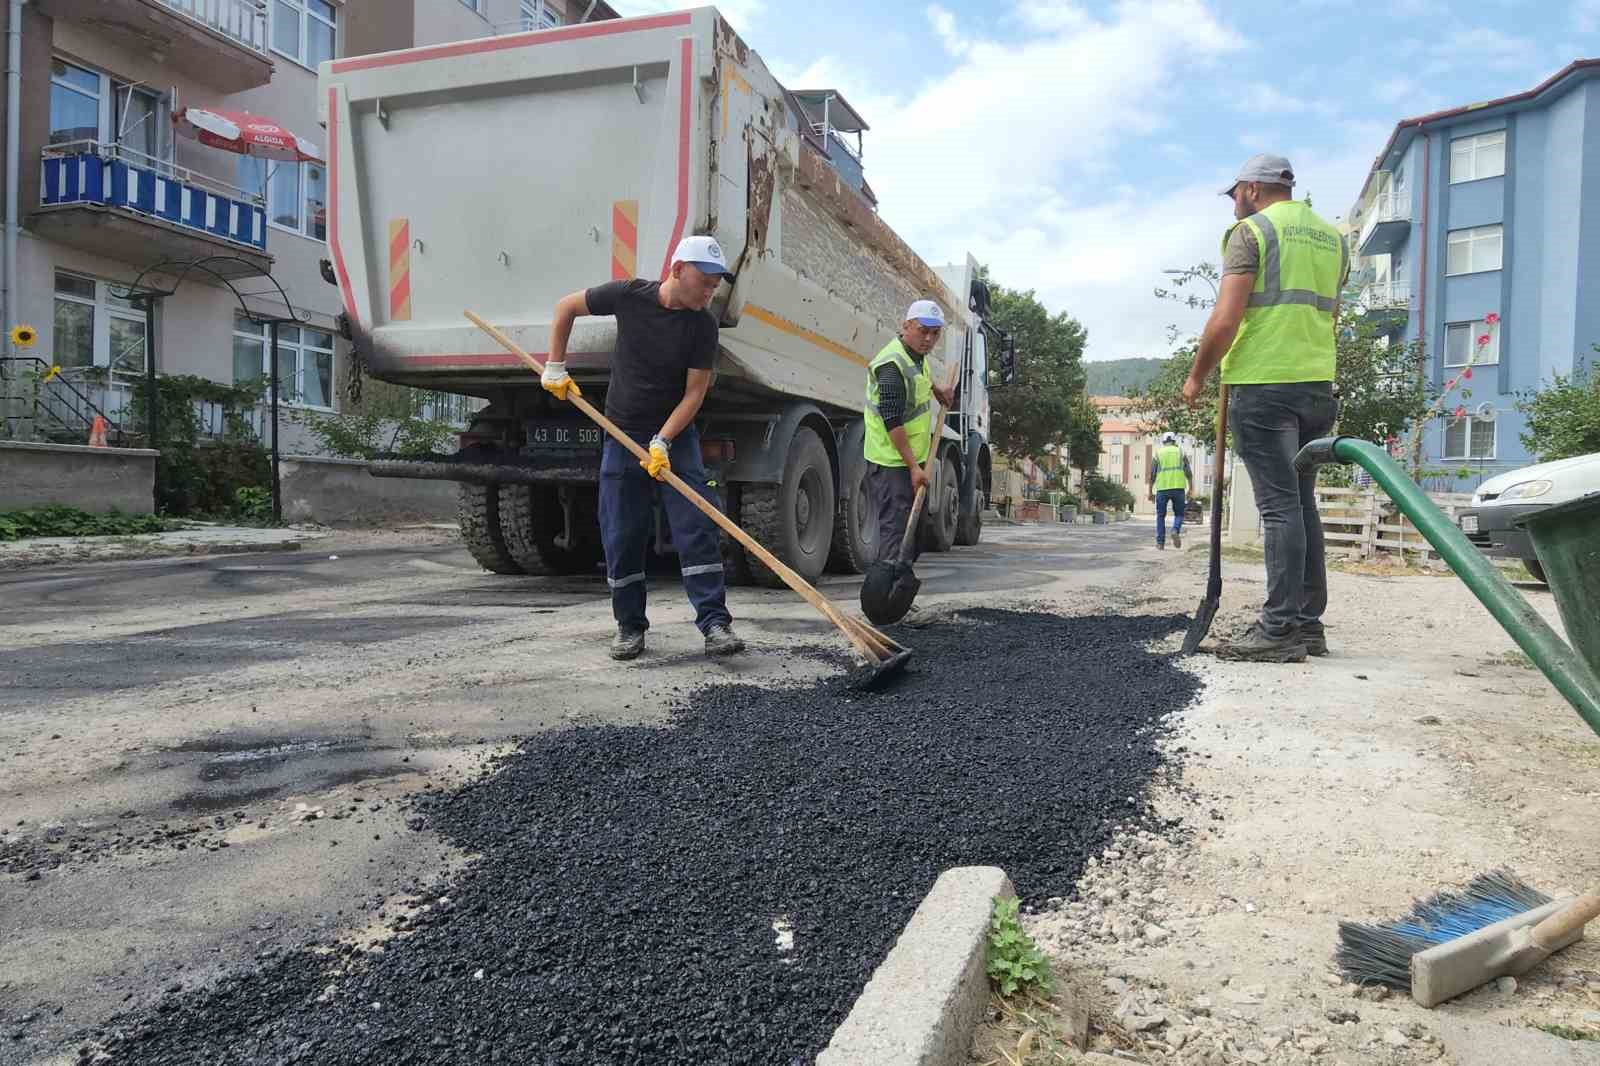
1455,941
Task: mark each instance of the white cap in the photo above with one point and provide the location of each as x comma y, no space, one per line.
703,253
927,312
1169,438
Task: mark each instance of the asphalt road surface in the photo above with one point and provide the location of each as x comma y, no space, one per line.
207,762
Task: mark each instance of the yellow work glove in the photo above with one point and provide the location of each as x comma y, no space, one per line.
556,382
660,461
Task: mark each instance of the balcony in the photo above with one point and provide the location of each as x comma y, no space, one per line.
1385,298
220,43
1387,224
109,200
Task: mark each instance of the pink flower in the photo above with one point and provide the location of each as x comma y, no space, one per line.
1490,319
1461,412
1452,383
1467,373
1483,340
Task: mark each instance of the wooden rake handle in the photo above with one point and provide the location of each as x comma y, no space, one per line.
790,578
1570,919
937,427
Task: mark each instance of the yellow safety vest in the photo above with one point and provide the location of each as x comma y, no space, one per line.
1170,473
1287,332
918,419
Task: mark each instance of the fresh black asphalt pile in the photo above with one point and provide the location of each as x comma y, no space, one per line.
635,883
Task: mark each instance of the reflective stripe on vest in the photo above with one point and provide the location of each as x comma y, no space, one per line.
1287,331
1170,475
917,422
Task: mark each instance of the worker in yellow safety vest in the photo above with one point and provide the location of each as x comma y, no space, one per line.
1272,330
899,424
1170,475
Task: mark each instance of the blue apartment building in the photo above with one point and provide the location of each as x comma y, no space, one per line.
1480,222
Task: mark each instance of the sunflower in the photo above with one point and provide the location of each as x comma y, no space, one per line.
24,336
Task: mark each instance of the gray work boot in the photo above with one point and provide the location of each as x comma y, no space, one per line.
1177,539
626,645
721,640
1315,638
1255,646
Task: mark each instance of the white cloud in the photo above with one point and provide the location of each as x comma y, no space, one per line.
1480,48
1259,98
1586,15
944,24
1393,90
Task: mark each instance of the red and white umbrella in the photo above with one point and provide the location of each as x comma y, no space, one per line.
244,133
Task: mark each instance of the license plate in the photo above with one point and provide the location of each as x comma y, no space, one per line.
553,435
1469,523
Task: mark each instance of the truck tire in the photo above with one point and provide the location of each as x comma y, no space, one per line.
478,516
969,527
855,526
793,520
531,523
939,527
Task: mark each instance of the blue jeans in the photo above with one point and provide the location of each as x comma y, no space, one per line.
1164,497
1270,424
628,497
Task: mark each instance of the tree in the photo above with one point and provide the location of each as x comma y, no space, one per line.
1563,417
1083,443
1036,413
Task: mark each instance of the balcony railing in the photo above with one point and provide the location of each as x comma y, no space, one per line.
1386,296
1388,218
91,173
245,21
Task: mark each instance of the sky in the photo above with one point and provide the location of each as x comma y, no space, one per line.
1078,148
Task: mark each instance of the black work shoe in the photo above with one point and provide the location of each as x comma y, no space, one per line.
721,640
1177,540
1161,546
1315,638
625,645
1255,646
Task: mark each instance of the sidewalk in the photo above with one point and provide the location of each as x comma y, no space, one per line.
200,540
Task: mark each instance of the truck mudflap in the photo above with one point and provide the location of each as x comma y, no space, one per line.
477,471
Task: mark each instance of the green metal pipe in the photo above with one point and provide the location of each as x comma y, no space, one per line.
1570,675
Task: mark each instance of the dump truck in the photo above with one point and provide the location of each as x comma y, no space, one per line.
500,174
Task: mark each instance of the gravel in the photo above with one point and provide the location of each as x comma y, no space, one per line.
721,889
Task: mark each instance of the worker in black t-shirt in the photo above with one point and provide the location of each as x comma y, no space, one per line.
660,371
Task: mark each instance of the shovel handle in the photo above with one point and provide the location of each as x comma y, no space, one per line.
1557,928
790,578
937,427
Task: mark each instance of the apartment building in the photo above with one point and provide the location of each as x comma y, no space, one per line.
114,183
1128,446
1477,234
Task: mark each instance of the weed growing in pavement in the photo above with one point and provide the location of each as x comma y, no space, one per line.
1567,1032
1015,961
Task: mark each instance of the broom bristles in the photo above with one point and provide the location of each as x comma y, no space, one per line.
1381,954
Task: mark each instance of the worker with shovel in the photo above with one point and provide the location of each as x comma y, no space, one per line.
660,373
899,427
1272,330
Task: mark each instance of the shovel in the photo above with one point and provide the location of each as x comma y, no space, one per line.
1207,610
891,585
884,659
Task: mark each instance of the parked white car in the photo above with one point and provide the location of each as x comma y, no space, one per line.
1501,500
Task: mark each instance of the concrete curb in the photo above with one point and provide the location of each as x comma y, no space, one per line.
924,1002
109,554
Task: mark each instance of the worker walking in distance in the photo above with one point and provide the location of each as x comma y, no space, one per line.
1272,330
1169,477
899,424
660,372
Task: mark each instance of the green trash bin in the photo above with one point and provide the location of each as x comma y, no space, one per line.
1567,540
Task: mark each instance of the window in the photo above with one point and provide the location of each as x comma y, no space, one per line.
1461,339
303,30
1472,251
95,328
537,15
86,105
295,194
76,103
475,5
305,361
1469,437
1483,156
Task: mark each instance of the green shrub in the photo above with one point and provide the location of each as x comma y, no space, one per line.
56,521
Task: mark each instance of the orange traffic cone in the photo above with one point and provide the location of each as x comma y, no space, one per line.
97,432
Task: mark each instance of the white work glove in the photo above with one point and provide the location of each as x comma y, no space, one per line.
660,461
556,382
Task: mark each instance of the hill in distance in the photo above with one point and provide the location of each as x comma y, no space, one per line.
1118,377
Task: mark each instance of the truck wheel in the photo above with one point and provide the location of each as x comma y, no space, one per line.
939,527
793,520
855,526
969,527
478,516
532,524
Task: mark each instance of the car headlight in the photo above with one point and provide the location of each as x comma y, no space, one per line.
1527,490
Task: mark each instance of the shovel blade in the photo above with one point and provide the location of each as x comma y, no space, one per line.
1201,625
888,592
876,676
